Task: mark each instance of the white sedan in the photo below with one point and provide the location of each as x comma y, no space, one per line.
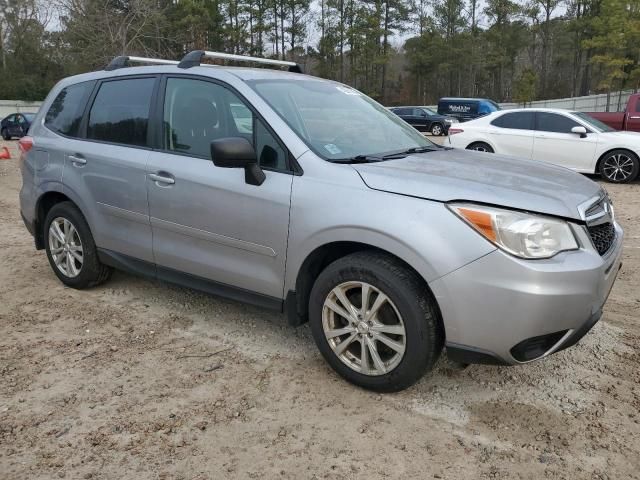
570,139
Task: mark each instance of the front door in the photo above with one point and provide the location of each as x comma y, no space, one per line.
555,143
206,220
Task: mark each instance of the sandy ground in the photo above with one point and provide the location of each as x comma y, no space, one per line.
140,379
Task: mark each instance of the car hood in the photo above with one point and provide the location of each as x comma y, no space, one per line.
624,136
446,175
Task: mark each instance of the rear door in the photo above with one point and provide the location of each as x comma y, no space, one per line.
10,125
207,221
512,134
107,167
633,116
555,143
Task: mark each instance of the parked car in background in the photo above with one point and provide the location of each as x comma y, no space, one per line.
324,205
16,125
424,119
571,139
628,120
465,109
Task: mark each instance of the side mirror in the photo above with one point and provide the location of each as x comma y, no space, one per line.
580,131
237,152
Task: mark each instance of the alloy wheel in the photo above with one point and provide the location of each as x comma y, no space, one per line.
364,328
65,247
618,167
436,130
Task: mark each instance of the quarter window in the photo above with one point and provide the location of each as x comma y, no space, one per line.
120,111
552,122
515,120
197,112
66,111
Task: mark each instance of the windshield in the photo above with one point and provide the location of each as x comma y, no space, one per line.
29,116
338,122
595,124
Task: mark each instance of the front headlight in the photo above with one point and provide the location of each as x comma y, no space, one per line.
521,234
451,120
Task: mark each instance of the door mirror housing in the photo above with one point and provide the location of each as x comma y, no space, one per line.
579,130
237,152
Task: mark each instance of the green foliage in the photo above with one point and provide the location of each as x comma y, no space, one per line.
398,51
524,89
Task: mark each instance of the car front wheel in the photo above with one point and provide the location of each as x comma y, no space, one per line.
436,129
375,322
480,147
5,134
620,166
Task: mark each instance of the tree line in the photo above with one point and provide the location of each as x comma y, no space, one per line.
397,51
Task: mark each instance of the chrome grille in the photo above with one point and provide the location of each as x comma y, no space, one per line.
600,224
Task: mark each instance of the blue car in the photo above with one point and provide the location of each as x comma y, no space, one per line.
465,109
16,125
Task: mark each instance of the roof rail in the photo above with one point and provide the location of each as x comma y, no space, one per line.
193,59
124,61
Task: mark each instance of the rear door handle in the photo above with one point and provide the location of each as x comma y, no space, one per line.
77,160
161,178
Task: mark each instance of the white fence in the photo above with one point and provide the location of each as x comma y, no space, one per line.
8,107
617,102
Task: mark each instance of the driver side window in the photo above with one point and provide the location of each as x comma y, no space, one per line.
196,112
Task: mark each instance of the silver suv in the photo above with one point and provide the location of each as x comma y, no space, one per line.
305,196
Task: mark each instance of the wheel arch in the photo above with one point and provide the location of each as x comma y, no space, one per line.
482,140
44,204
296,303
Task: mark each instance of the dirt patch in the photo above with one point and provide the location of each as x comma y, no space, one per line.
140,379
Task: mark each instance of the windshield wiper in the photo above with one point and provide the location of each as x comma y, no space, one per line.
358,159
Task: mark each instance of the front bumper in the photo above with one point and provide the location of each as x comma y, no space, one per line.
501,309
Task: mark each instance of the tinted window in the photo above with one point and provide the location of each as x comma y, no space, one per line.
30,116
197,112
418,112
516,120
21,119
638,105
402,111
11,118
552,122
66,111
120,111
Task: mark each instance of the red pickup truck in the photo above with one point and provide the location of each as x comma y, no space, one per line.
627,120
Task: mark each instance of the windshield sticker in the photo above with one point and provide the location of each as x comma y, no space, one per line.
349,91
332,149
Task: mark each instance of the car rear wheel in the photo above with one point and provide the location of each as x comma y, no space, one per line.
374,321
5,134
437,129
70,248
480,147
620,166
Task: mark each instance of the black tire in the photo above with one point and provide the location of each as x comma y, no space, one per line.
480,147
92,272
437,129
629,162
424,333
5,134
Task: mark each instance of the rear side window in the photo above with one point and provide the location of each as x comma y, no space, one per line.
66,111
120,112
402,111
552,122
516,121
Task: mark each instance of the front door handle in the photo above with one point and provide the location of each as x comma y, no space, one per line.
161,179
635,117
77,160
